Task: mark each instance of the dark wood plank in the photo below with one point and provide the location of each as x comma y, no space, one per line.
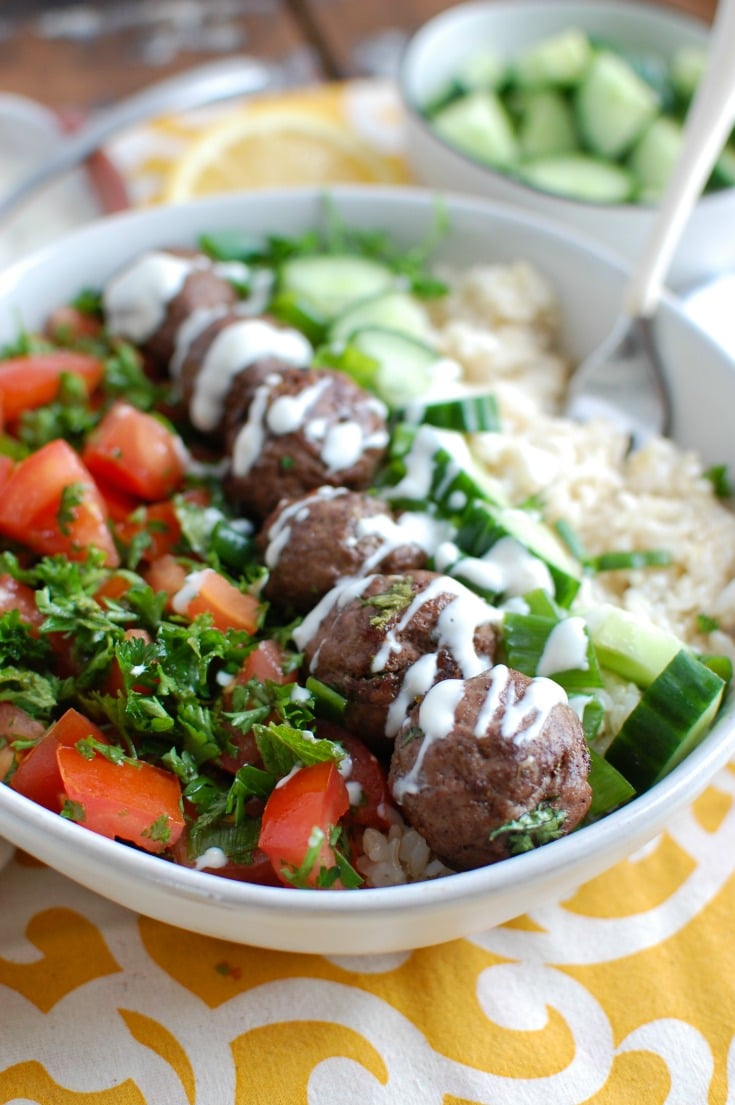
74,56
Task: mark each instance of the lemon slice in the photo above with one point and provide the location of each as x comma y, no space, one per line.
273,148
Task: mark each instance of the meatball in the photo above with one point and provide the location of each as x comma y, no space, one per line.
384,640
148,301
304,428
222,359
312,542
489,766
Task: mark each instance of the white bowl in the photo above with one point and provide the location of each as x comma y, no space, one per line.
589,284
435,54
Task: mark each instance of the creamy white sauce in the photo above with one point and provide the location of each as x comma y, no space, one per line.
436,721
135,300
523,711
213,859
287,413
340,595
344,444
279,533
191,328
191,588
251,436
234,348
419,678
565,648
507,568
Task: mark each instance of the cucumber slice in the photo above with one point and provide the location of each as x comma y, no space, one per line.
560,60
629,645
479,125
546,125
580,176
654,156
485,69
396,311
686,70
672,717
329,283
472,414
614,105
483,524
436,466
404,364
610,789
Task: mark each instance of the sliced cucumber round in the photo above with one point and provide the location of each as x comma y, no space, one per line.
330,283
614,105
391,311
405,364
479,125
580,177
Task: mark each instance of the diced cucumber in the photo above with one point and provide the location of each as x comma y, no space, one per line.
485,69
484,523
610,789
629,645
654,155
436,466
471,414
404,364
546,124
396,311
329,283
528,639
479,125
580,176
560,60
674,714
614,105
686,70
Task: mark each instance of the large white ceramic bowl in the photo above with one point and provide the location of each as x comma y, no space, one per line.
436,52
589,285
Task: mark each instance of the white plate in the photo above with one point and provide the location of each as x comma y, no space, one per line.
589,284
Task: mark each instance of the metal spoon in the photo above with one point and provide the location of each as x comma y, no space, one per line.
623,380
207,84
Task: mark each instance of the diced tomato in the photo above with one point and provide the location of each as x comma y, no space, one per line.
6,465
33,380
115,684
313,798
37,776
159,521
265,662
208,592
33,512
134,801
166,575
119,504
135,452
15,725
371,804
15,595
259,870
69,323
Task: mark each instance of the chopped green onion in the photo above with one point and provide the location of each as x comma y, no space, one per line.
328,703
473,414
634,558
610,789
571,539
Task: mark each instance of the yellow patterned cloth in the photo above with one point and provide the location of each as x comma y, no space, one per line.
624,994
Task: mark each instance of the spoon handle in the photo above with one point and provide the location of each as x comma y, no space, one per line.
708,123
206,84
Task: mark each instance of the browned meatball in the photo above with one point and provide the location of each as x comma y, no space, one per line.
220,360
312,542
148,300
384,640
490,766
304,428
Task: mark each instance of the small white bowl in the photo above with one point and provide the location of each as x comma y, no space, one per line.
589,285
438,49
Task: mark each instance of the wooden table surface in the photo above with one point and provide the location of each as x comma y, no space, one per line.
82,55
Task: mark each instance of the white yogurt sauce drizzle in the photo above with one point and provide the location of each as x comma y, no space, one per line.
507,568
436,721
234,348
135,300
565,648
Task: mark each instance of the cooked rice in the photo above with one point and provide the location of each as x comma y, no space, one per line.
500,323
